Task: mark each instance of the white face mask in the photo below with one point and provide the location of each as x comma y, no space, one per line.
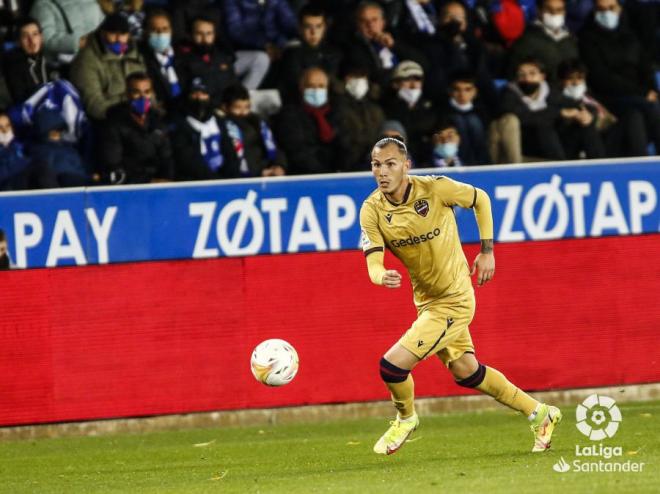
409,95
554,21
6,138
316,97
575,92
357,87
461,107
607,19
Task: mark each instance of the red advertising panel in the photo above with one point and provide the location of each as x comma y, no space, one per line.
176,336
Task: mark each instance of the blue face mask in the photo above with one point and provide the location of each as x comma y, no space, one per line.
446,150
140,106
316,97
118,48
160,41
607,19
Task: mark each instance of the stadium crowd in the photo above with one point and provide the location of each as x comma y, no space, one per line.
126,91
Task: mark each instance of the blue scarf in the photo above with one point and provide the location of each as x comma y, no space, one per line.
210,137
267,140
166,61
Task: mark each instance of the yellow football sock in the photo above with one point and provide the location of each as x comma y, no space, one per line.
403,396
500,388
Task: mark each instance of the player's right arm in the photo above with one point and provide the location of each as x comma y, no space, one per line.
373,246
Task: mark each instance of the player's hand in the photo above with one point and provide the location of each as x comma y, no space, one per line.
391,279
484,266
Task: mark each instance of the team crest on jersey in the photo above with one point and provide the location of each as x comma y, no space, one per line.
388,217
422,207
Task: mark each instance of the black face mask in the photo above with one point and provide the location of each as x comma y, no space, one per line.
199,109
203,49
4,262
529,88
451,29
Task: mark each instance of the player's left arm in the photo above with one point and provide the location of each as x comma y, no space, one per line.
456,193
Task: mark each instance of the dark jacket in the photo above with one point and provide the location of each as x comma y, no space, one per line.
24,74
419,122
216,69
13,163
143,152
299,138
537,43
361,53
59,157
512,102
254,23
254,147
190,164
364,119
298,58
618,64
161,84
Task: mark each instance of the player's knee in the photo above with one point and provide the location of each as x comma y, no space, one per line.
475,379
390,373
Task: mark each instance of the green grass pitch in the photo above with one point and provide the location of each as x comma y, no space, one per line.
486,452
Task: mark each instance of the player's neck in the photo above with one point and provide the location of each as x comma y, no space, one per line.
398,195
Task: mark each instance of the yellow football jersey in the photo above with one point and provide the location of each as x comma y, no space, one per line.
422,232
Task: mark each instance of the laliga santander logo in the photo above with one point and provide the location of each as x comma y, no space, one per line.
598,417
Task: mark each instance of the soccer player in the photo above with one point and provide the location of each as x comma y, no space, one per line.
413,217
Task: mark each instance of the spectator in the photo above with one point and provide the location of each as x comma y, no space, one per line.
53,155
364,118
100,69
5,260
393,128
203,149
130,9
14,165
311,131
546,40
419,24
26,67
405,102
313,51
135,147
620,70
258,25
66,25
253,140
160,58
446,143
625,136
469,119
458,50
184,12
376,49
205,60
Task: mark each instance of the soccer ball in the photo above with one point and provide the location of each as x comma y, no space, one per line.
274,362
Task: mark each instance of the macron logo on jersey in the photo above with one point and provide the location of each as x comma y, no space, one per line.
415,240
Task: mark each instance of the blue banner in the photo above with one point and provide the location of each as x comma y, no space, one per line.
301,214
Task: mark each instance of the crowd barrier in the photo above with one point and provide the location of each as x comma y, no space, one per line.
574,302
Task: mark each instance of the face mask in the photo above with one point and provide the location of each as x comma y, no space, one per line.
410,96
529,88
316,97
6,138
461,107
140,106
4,262
446,150
160,41
452,28
357,87
607,19
118,48
576,92
199,109
554,21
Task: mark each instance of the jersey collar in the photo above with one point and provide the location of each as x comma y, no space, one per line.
406,195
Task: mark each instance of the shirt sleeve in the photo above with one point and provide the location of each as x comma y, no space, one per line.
454,193
371,239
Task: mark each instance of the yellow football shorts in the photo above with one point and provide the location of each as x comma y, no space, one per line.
442,329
